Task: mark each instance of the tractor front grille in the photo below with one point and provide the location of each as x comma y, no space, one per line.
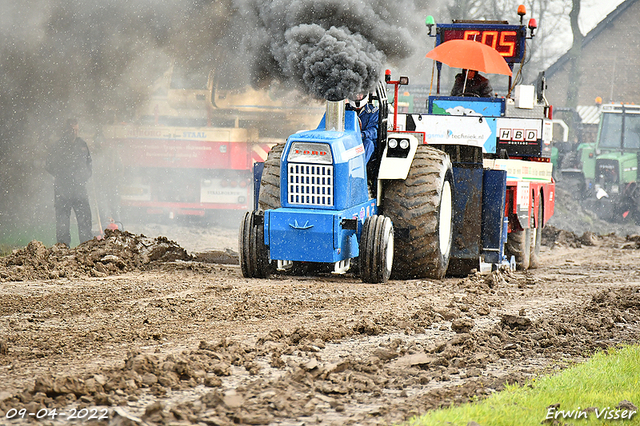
310,185
607,171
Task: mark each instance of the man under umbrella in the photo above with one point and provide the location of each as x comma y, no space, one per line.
473,85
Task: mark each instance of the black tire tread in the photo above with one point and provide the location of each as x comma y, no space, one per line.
366,248
269,195
254,260
373,250
413,204
244,244
260,254
519,246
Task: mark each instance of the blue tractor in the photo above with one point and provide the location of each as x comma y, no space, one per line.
315,208
466,185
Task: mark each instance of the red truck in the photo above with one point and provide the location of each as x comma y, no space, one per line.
191,150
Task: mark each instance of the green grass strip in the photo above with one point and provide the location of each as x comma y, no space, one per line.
602,382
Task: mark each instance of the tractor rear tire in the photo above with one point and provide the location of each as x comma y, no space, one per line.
376,250
519,246
536,240
269,195
421,209
254,258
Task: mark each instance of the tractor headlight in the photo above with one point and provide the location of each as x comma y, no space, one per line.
399,145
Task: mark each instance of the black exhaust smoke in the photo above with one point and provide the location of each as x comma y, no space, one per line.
331,64
330,49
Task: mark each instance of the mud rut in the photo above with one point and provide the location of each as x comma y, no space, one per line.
155,335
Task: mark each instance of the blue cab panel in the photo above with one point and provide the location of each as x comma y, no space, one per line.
257,176
494,195
464,105
467,226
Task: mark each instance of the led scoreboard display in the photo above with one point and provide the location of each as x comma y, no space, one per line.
506,39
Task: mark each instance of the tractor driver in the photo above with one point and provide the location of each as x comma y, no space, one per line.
368,118
473,85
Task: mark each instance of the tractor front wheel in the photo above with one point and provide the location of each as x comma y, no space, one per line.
254,258
376,250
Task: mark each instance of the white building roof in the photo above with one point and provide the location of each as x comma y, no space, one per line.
589,114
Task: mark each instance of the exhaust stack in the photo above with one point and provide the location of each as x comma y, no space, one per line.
334,118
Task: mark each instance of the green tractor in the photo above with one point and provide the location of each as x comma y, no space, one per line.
608,168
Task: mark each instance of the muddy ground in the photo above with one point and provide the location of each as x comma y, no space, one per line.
146,330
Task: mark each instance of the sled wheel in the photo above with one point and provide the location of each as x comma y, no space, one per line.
421,210
254,260
536,240
269,195
519,246
376,250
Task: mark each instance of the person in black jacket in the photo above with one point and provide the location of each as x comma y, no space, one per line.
69,162
476,85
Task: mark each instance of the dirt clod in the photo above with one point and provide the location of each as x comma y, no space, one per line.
163,337
118,252
462,325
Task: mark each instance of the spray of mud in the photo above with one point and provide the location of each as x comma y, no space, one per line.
97,61
91,60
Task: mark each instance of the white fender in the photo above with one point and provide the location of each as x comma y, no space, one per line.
397,166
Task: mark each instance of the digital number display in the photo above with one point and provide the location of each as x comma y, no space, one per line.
508,41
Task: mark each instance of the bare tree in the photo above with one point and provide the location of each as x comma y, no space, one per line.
465,9
551,17
574,56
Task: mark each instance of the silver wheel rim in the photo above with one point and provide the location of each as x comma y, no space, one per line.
445,218
389,249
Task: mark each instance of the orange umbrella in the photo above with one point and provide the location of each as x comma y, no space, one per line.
472,55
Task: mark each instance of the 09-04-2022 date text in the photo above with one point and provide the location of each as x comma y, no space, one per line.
84,414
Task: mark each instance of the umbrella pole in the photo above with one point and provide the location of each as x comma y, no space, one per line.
433,68
464,85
